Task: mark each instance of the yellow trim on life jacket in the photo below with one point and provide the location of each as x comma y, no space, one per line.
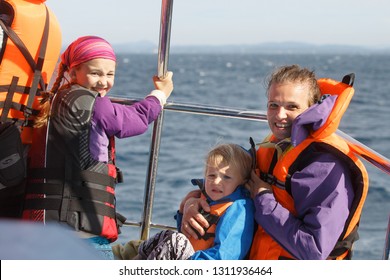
28,23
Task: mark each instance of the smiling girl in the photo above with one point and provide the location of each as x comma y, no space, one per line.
72,172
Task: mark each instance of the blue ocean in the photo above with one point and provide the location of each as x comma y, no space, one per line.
238,81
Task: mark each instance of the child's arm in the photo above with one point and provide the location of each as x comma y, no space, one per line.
123,120
126,121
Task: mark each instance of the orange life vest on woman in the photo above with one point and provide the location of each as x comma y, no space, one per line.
294,158
29,53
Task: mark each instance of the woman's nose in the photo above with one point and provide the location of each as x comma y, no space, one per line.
281,114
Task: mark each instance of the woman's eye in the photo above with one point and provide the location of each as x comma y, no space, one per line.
292,107
272,105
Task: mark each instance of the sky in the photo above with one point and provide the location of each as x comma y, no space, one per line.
221,22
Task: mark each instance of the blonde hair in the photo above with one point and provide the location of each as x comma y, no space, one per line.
232,154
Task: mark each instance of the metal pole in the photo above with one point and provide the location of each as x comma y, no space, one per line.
162,65
386,250
165,37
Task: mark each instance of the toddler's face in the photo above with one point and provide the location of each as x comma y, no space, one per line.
221,179
96,74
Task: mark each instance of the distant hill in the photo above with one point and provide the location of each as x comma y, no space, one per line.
272,48
137,47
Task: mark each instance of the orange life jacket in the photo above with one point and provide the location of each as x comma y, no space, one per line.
264,246
29,54
207,240
30,42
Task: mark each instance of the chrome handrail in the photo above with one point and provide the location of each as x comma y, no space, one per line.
202,109
386,250
162,65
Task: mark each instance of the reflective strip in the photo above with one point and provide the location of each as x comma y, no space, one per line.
270,179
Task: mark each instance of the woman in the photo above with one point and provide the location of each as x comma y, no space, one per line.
309,188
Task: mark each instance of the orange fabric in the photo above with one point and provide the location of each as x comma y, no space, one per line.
28,24
344,94
201,244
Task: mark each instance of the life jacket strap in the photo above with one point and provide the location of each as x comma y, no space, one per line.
345,245
207,235
211,219
36,68
85,175
252,152
98,178
8,104
73,205
22,47
85,193
8,99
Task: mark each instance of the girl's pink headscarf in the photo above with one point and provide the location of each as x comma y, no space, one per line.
87,48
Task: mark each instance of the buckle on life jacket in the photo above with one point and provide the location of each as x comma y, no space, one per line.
268,178
27,113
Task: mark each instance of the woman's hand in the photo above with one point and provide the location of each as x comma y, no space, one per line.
192,220
255,185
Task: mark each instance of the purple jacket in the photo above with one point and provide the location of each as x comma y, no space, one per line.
112,119
322,194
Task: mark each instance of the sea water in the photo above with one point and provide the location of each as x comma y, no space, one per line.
238,81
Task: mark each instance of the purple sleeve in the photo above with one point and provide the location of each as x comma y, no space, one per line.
125,120
322,195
